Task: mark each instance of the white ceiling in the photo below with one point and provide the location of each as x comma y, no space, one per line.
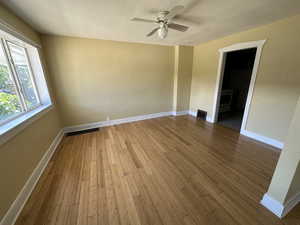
110,19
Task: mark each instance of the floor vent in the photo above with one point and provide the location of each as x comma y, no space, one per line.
82,132
201,115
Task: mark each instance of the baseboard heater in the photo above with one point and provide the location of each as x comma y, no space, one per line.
201,115
82,132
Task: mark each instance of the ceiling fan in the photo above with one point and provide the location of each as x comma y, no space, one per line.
164,20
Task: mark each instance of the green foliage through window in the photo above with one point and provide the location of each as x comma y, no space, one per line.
9,102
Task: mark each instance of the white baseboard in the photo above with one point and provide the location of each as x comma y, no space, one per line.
114,122
180,113
13,212
209,119
264,139
277,208
273,205
193,113
250,134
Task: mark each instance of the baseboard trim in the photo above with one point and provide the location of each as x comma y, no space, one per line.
16,207
117,121
277,208
180,113
273,205
250,134
193,113
209,119
264,139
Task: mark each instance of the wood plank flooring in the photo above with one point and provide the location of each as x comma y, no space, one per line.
164,171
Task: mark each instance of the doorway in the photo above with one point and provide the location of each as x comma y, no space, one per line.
235,87
234,61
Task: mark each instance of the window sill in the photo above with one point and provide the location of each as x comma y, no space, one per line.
12,128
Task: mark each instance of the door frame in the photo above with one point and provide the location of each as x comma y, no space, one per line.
222,60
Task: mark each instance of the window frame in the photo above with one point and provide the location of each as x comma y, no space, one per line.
12,125
16,80
31,75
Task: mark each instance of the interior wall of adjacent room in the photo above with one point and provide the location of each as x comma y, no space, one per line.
96,80
21,154
277,84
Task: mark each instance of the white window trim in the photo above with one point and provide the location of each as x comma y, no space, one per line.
11,128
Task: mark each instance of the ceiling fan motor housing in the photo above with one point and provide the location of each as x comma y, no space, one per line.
162,16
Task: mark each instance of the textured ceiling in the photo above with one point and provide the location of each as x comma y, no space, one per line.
110,19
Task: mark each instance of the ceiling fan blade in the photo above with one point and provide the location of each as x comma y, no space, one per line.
174,11
152,32
143,20
188,19
178,27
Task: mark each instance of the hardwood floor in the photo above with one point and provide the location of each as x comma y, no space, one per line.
171,170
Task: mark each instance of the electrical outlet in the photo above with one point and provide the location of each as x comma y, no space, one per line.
107,118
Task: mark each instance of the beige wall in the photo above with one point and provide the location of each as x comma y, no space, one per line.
21,154
96,79
277,84
285,183
182,77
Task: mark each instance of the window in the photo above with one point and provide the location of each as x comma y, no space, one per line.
23,89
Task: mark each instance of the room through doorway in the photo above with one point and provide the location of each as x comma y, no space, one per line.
235,86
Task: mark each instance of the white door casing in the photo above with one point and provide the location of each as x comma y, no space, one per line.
222,59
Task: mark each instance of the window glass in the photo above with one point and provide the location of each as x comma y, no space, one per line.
22,68
9,100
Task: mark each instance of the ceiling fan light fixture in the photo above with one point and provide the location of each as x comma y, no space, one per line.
162,32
